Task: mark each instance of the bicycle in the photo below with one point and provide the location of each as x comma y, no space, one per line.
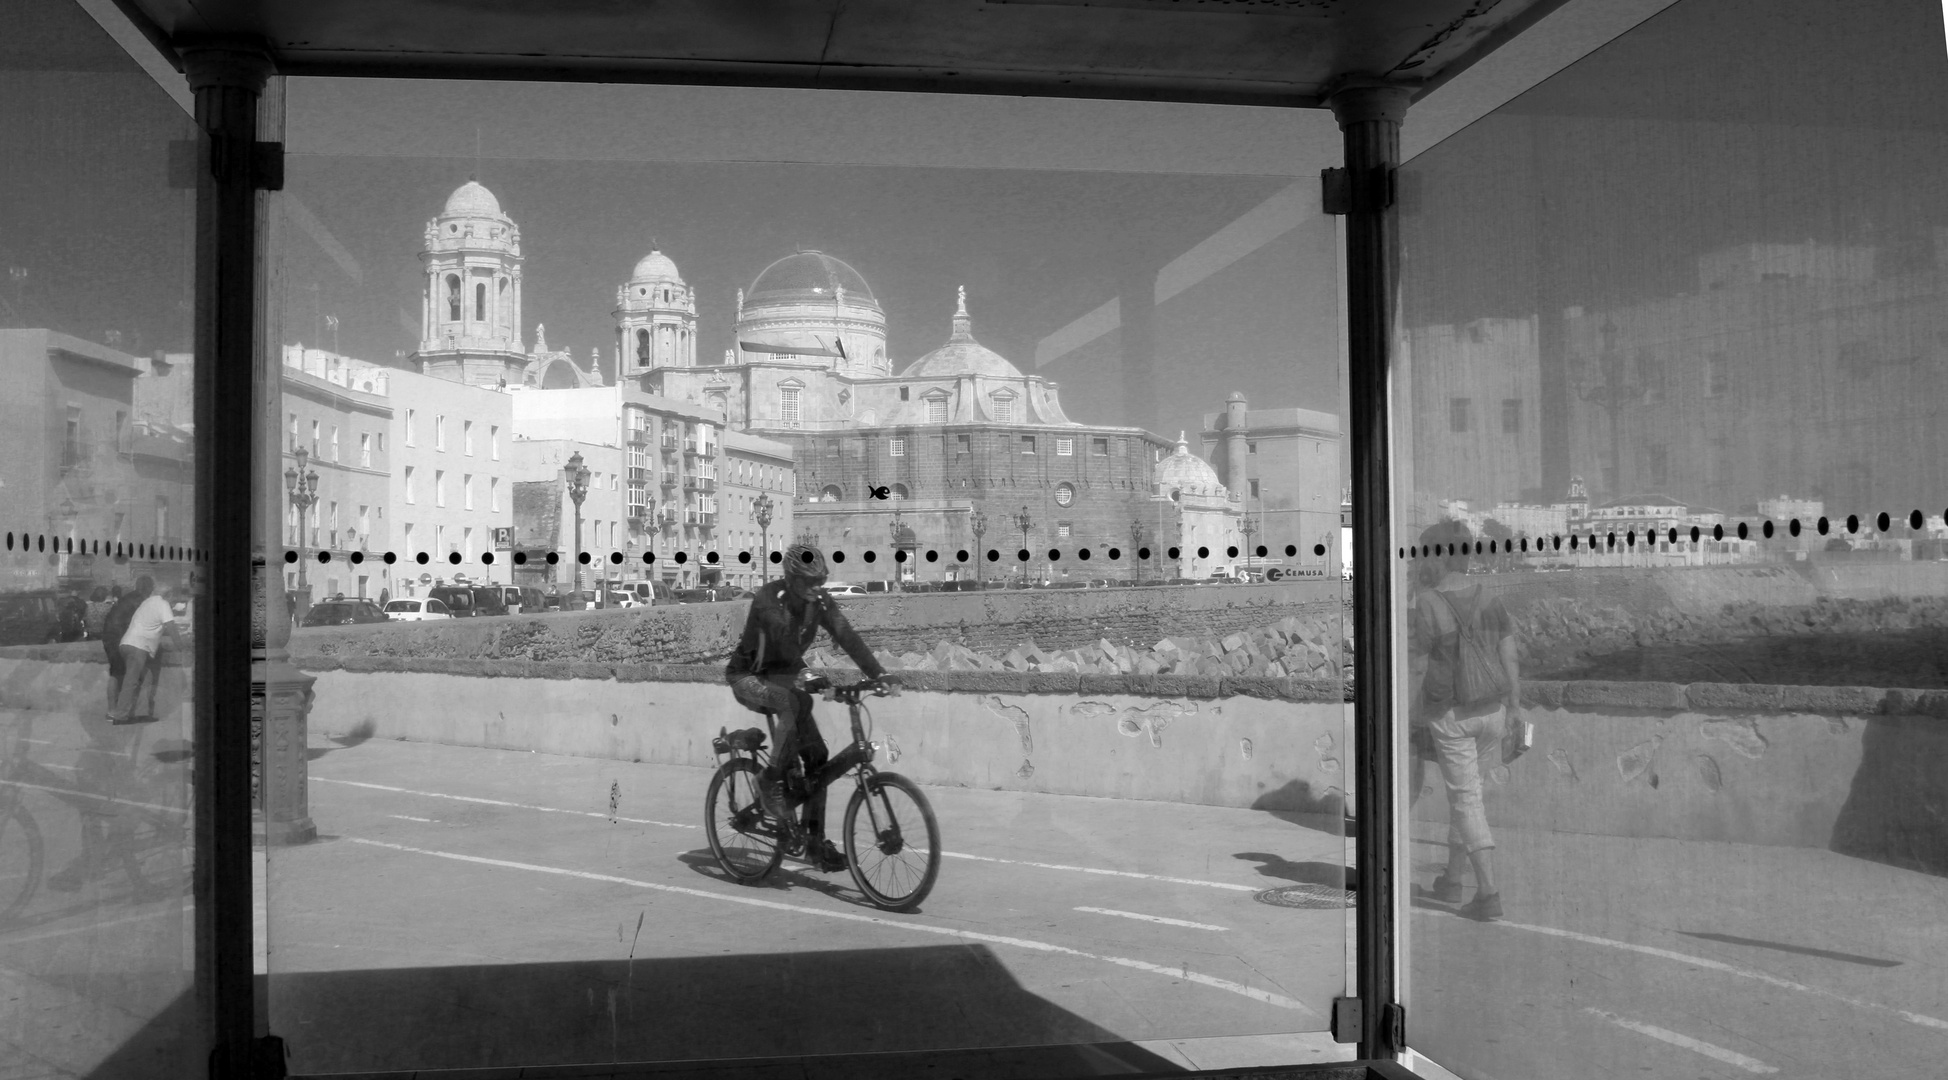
880,844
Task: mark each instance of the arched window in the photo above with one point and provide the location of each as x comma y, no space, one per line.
642,347
480,301
453,298
830,493
899,492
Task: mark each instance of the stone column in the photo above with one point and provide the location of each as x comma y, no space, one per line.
1369,115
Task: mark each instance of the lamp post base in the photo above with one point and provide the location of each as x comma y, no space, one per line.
280,709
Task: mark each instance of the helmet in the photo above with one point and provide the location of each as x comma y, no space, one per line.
804,560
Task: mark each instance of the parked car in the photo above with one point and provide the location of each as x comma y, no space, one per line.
620,597
695,596
457,598
523,598
489,599
30,618
879,586
650,593
841,589
416,609
342,613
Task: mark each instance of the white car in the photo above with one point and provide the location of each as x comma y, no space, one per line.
416,609
845,590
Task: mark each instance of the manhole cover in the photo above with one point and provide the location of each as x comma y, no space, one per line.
1307,896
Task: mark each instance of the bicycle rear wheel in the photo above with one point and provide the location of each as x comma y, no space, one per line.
743,839
894,846
21,860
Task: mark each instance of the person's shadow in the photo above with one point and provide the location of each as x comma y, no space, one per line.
1309,873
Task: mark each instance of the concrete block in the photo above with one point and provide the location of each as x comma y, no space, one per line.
1747,697
1916,703
1665,697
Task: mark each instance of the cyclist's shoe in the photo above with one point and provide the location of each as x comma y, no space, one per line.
825,856
771,796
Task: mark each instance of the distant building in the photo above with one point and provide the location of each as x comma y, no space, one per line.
1283,466
1475,432
339,413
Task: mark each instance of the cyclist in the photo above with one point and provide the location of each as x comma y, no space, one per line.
763,672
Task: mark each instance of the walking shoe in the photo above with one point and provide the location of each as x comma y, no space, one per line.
771,796
1447,890
1484,907
826,857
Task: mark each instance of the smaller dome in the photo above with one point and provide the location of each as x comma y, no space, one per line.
472,200
962,355
655,266
1186,471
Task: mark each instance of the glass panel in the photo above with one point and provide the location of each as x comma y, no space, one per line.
998,398
1674,347
100,591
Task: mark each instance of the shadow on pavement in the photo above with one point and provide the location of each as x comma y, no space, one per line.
1893,812
1337,875
757,1005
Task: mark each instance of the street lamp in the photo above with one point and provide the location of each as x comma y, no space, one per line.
977,522
1136,542
1024,523
301,484
577,476
761,513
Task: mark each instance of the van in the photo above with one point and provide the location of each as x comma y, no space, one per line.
651,593
523,599
489,600
457,598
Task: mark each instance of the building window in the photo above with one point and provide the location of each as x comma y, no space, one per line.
439,432
439,487
365,449
1061,530
937,409
412,421
408,530
334,442
1457,414
494,442
162,518
480,301
788,406
1099,447
466,437
1251,447
453,298
896,447
364,520
314,438
1004,407
1064,447
409,484
294,431
899,493
1254,489
466,540
1027,444
963,444
1511,416
466,491
71,442
903,393
830,493
1064,493
439,538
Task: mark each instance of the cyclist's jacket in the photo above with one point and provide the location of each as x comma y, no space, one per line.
776,637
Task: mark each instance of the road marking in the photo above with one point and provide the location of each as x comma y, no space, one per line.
409,817
1719,1053
45,934
1151,918
72,793
1183,973
1108,873
504,802
1719,965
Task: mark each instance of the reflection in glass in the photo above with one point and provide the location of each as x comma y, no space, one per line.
1672,328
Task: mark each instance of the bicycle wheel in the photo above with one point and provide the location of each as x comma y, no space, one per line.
743,839
894,847
21,858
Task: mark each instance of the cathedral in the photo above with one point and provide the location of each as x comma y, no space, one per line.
955,451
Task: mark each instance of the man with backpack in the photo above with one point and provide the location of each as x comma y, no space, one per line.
1462,653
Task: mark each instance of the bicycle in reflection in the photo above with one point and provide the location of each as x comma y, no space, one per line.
892,842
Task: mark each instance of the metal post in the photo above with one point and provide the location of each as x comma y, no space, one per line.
1369,116
228,79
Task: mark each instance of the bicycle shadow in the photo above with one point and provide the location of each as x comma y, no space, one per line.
786,877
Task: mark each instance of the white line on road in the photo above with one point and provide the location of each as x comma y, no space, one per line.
73,793
1151,918
409,817
1719,965
1109,873
1183,973
504,802
91,927
1719,1053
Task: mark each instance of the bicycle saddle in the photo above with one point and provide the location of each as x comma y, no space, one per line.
747,739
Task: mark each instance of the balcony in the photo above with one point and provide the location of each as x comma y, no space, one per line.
639,436
703,518
694,448
668,441
667,480
638,473
704,484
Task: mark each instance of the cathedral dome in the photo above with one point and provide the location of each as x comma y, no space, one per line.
655,266
809,276
472,200
1186,472
962,355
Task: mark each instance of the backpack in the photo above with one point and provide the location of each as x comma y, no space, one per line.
1478,674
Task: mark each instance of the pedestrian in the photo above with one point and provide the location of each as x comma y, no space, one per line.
385,597
1462,651
113,626
141,645
98,605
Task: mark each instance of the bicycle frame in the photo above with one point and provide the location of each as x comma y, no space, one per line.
858,754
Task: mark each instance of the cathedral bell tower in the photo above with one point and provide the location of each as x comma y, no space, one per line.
471,311
656,318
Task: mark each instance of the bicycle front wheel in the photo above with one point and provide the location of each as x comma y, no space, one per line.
21,858
744,840
892,842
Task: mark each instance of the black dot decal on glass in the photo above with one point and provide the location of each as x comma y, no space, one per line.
323,556
1743,533
615,558
648,557
424,557
1695,534
1853,523
712,558
1822,526
1317,549
1717,532
838,556
682,557
1262,551
777,557
870,556
934,556
290,556
1143,553
899,555
553,558
1115,554
1231,553
1083,554
1525,543
1022,555
1291,550
582,558
1203,553
1915,519
1766,530
1054,554
1572,541
744,557
1176,554
1793,526
1555,543
994,555
391,558
520,558
961,555
453,557
805,557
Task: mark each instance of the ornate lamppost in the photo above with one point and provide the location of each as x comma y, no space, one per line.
301,485
1136,541
977,522
577,477
761,513
1024,523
